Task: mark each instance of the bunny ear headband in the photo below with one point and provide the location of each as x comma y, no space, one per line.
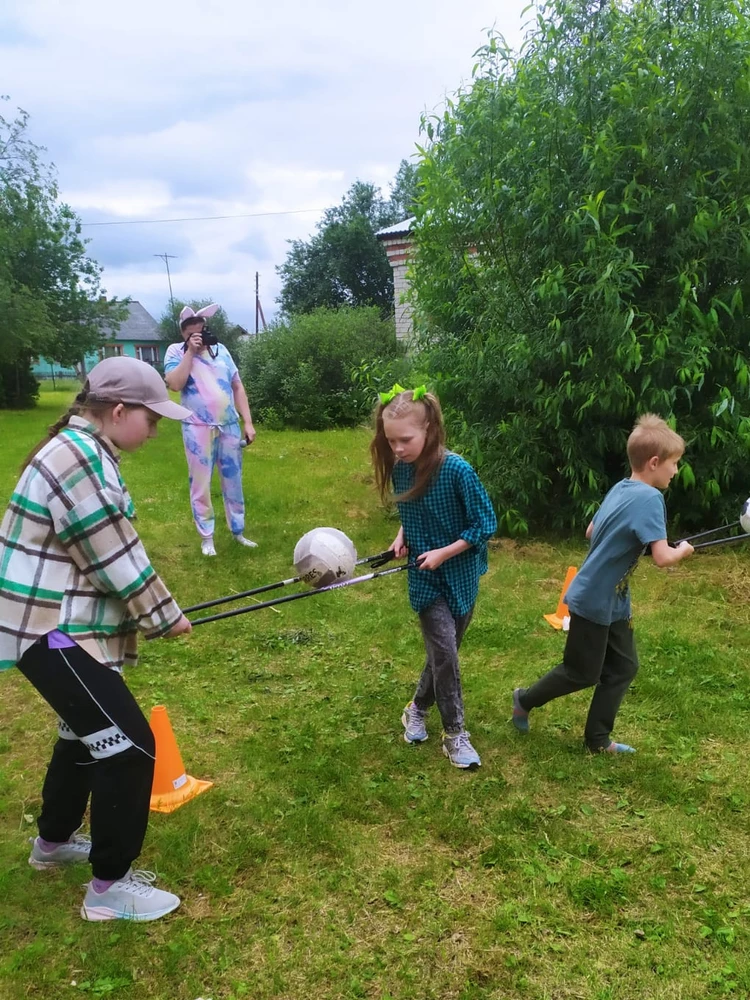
205,313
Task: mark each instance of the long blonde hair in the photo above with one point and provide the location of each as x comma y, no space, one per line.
427,409
80,405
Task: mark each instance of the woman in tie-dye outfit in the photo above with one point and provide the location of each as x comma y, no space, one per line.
210,386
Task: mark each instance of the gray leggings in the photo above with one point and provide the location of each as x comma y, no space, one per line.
598,656
441,678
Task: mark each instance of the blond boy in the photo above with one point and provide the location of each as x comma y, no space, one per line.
600,648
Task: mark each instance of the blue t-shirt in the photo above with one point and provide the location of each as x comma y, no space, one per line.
632,515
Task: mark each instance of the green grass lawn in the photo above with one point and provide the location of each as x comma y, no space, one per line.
332,860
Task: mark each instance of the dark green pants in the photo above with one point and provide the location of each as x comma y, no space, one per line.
598,656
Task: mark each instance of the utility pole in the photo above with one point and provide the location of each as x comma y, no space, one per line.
166,257
258,307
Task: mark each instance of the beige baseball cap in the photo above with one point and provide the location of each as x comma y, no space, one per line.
128,380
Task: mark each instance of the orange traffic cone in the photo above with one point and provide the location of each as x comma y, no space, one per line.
172,787
556,620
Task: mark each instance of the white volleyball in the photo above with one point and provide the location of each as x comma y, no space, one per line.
324,556
745,517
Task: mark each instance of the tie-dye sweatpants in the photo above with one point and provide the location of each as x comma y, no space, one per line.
208,448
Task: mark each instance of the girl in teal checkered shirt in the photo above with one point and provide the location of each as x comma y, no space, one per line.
446,520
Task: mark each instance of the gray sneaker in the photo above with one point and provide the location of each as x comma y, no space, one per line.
133,897
75,849
460,752
415,730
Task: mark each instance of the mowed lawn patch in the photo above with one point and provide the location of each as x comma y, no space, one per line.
332,860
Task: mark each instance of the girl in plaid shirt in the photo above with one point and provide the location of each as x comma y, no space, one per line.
446,520
76,586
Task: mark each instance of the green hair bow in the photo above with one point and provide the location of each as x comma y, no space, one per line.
386,397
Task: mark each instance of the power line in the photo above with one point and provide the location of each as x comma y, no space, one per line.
201,218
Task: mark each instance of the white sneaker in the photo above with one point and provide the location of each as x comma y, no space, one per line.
245,541
207,547
73,850
460,752
413,721
133,897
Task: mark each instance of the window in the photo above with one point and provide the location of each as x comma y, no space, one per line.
111,351
148,353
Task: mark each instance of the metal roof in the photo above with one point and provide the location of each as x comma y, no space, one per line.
139,325
400,229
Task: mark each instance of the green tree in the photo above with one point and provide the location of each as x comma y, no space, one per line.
404,191
49,288
343,264
583,254
230,334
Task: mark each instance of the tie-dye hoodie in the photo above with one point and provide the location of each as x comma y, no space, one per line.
208,390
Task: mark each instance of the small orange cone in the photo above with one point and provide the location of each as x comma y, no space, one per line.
172,787
556,620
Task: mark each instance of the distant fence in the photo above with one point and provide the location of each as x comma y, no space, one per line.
49,374
57,375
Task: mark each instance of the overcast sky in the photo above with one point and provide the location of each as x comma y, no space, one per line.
158,109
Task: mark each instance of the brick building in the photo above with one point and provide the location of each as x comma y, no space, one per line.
397,243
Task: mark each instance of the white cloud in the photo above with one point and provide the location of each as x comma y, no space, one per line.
217,107
125,198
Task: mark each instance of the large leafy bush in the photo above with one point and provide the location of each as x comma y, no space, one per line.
584,254
299,371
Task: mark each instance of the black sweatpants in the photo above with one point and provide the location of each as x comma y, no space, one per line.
599,656
105,750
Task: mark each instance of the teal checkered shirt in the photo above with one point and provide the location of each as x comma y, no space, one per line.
455,506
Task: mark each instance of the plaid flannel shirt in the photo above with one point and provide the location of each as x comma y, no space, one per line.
71,560
455,506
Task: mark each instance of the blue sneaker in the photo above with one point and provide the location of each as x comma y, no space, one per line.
618,748
413,718
520,715
73,850
612,748
460,752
